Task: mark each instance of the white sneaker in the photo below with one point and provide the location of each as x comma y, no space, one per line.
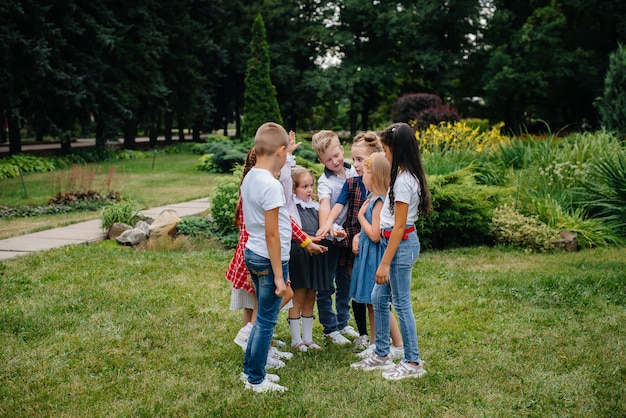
396,353
283,355
337,338
373,362
362,342
349,332
301,346
403,370
265,386
242,338
312,345
273,363
274,378
365,353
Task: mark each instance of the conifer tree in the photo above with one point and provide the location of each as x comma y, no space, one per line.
612,108
260,104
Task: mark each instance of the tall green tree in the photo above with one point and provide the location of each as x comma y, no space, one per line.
545,59
612,106
260,104
389,48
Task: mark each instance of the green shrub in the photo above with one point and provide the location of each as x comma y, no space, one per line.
603,193
223,205
316,168
462,212
97,154
194,226
590,232
129,154
223,155
8,170
125,211
205,163
511,228
30,163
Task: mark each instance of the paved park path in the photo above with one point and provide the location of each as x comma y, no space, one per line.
84,232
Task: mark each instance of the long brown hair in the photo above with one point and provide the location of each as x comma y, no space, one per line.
400,138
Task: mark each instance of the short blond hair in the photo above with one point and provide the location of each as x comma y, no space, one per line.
380,168
268,138
323,140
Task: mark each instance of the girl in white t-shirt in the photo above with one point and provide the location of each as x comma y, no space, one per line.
407,197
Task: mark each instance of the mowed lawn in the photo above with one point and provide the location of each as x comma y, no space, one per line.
106,330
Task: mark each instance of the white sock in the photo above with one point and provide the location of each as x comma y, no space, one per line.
307,328
294,329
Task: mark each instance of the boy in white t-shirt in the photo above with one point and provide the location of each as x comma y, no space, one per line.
267,250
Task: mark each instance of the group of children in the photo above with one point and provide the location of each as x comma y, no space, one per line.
358,243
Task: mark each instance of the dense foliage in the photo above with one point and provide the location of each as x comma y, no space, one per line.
71,68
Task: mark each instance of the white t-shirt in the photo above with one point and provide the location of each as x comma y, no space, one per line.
261,192
406,189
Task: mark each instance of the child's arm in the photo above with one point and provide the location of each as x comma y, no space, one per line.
399,224
324,211
272,239
327,226
372,230
306,242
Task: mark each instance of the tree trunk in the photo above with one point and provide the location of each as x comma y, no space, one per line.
195,133
168,121
153,135
130,134
104,131
353,116
365,119
181,130
15,138
66,142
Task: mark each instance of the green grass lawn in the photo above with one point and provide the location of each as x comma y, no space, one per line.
106,330
173,179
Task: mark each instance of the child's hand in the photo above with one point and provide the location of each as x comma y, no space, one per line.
382,274
355,244
281,287
292,143
324,230
338,232
314,249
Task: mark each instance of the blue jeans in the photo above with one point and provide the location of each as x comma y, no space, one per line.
397,291
267,314
330,320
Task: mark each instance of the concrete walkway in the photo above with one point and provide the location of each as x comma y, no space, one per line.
84,232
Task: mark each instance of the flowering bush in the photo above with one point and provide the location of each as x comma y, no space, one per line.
459,137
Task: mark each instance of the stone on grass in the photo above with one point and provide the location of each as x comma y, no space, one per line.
135,236
568,241
117,228
165,224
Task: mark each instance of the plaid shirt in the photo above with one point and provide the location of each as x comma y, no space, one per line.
356,196
237,272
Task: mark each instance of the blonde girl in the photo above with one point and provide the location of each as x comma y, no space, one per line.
376,175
